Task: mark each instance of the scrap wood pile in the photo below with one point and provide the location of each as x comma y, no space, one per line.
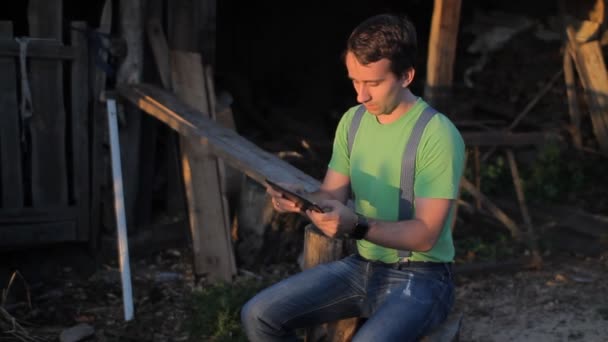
583,54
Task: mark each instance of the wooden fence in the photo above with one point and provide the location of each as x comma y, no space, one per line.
44,130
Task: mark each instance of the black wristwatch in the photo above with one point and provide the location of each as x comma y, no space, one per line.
361,228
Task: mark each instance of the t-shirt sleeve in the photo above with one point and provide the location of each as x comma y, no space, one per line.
440,160
340,161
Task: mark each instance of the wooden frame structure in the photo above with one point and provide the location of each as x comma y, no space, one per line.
44,183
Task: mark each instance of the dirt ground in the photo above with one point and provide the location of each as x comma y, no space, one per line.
564,301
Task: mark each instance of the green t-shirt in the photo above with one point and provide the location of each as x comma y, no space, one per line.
374,168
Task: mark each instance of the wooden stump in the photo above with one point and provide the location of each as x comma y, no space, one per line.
319,249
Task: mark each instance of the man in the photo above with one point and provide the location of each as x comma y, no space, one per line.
403,298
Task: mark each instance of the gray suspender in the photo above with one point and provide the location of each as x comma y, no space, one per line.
408,164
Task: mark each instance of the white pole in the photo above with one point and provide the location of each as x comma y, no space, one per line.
119,208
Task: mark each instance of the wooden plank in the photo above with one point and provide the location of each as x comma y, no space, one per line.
237,151
502,138
37,49
11,181
48,122
21,235
591,68
80,127
442,51
212,246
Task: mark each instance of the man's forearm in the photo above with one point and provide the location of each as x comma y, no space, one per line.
411,235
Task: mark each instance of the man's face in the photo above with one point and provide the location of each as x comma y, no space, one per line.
377,87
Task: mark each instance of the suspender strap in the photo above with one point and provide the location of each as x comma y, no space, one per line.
354,126
408,161
408,165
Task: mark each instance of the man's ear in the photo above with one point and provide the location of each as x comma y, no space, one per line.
408,77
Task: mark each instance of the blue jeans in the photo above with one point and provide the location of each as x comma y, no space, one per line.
402,302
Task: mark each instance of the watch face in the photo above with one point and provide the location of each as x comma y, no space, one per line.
361,228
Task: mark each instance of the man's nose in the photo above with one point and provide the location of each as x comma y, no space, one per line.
363,94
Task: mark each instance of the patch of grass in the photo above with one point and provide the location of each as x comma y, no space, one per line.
217,310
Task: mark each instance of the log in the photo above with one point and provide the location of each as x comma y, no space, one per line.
442,51
319,249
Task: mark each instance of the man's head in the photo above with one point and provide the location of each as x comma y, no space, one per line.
380,62
385,36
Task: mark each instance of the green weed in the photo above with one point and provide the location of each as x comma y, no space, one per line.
217,310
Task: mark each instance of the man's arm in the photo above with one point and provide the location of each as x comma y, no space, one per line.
418,234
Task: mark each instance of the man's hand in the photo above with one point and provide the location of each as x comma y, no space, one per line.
282,204
336,221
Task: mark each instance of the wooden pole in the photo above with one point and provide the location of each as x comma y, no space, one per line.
523,207
498,214
442,51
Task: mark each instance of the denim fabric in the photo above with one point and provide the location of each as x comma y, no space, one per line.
401,303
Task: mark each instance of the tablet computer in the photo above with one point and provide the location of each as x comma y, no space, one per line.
300,199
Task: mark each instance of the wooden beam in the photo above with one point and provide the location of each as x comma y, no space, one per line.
442,51
237,151
213,254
